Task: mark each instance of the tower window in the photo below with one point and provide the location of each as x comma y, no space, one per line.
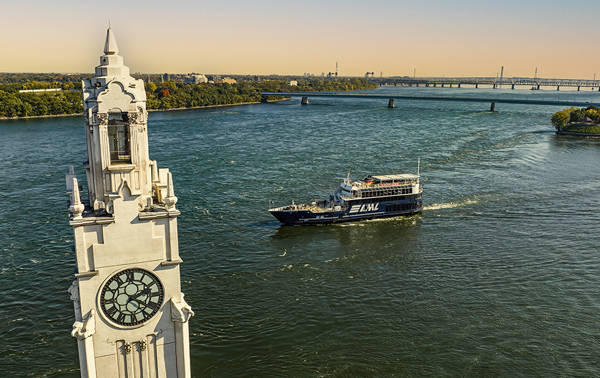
118,138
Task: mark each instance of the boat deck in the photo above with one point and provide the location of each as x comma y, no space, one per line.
313,208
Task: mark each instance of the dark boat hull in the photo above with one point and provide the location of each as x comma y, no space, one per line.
353,213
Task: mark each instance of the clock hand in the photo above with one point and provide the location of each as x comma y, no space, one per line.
139,294
138,301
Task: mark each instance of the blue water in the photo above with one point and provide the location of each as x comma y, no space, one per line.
499,276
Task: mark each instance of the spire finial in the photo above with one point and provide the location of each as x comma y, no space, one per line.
76,207
110,47
170,200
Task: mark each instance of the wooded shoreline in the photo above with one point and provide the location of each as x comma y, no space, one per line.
149,110
168,95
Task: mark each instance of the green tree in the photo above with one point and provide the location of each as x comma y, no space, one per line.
593,114
560,119
577,115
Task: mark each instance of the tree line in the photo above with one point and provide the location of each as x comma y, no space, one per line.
165,95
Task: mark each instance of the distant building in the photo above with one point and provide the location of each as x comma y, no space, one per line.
294,83
195,79
226,80
40,90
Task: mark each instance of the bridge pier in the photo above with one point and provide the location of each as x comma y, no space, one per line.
442,85
434,85
427,85
494,86
558,87
476,85
304,100
391,103
417,85
493,107
459,85
578,88
512,87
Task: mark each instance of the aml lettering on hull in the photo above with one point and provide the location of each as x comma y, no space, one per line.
363,208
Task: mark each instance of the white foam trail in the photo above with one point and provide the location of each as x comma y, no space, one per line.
449,205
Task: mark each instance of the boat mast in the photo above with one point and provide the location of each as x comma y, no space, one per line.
418,167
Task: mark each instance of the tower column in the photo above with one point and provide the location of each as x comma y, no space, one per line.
125,238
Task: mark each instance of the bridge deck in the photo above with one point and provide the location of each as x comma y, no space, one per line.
432,98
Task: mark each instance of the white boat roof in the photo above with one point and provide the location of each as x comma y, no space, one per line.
405,176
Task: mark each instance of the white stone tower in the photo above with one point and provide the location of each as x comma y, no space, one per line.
130,316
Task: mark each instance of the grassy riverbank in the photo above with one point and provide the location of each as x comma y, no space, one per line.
160,96
582,128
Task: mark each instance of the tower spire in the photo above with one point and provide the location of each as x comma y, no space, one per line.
143,334
110,46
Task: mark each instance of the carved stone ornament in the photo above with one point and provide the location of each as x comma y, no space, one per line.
180,311
85,329
102,118
74,291
133,117
126,348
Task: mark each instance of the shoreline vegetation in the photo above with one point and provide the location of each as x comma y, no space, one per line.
161,96
578,121
154,110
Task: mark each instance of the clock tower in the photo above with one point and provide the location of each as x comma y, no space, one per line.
130,316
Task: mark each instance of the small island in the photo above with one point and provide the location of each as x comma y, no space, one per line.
578,121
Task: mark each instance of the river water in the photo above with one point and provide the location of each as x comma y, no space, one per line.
499,276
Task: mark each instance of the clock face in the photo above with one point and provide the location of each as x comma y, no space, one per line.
131,297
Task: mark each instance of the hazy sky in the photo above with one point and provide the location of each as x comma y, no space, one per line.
438,38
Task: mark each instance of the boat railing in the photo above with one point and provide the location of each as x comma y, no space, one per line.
386,185
345,198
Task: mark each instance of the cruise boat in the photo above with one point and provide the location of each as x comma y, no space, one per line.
369,198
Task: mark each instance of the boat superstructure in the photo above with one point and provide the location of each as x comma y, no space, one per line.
372,197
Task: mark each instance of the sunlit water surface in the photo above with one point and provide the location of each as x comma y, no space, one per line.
500,275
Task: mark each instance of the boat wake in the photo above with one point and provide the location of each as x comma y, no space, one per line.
450,205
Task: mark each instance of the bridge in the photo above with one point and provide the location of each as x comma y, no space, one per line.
529,83
390,98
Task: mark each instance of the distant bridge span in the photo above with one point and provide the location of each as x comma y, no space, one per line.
390,98
533,83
